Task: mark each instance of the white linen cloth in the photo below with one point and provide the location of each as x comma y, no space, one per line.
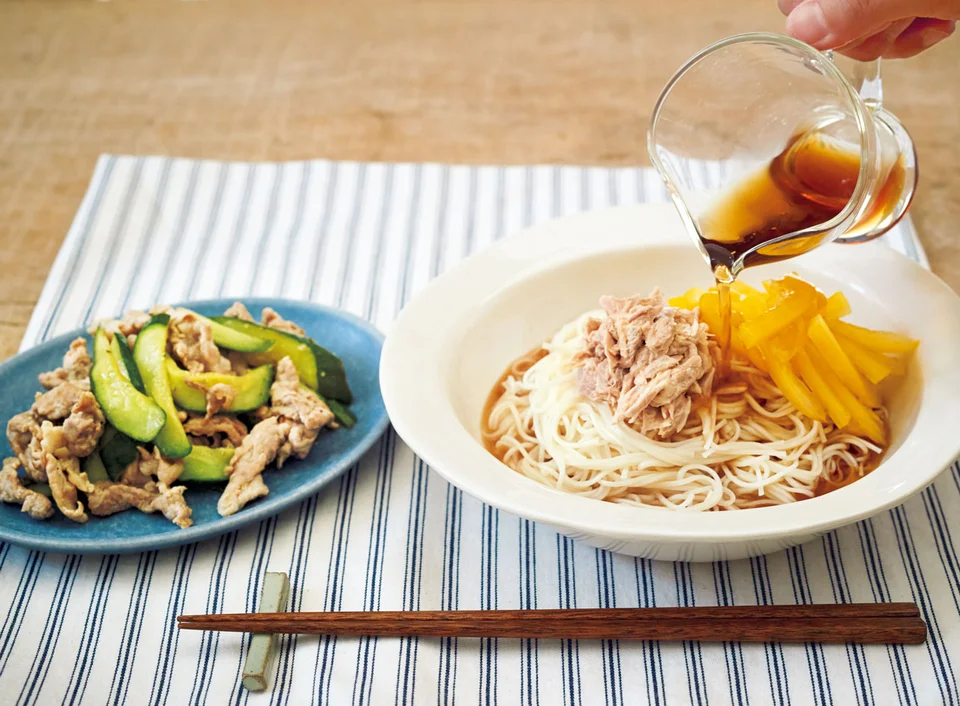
391,534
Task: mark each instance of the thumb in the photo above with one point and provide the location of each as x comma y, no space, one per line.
827,24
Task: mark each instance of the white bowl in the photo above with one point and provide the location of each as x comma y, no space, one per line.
449,346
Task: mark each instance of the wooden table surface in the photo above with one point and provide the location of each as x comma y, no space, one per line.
475,81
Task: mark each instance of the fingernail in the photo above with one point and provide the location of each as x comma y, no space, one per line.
807,23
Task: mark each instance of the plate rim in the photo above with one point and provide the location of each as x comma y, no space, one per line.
514,256
223,525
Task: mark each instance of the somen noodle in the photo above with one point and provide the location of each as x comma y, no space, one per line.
744,446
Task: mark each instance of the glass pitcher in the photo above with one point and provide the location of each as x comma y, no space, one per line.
755,100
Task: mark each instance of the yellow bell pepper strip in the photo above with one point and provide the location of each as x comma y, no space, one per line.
745,290
688,300
818,385
710,312
749,306
836,307
875,367
793,388
878,341
756,357
822,337
863,420
790,309
791,284
788,342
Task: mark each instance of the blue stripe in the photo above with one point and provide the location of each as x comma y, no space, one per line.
131,638
816,664
204,252
19,606
295,227
324,228
406,669
773,652
83,661
218,580
339,543
450,593
896,654
693,655
346,268
367,646
944,542
652,659
149,234
82,242
44,649
186,209
268,222
732,651
609,649
856,658
297,571
939,657
113,243
238,226
176,596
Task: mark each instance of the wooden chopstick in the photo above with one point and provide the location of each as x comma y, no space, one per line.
863,623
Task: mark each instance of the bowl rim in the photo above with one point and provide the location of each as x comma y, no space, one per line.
418,349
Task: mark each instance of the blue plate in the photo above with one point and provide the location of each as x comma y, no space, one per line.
356,342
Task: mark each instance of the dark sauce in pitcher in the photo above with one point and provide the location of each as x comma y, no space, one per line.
805,185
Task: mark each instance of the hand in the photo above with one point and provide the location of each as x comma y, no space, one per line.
868,29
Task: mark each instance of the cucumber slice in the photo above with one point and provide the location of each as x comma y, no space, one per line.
150,352
341,412
123,354
117,452
206,465
319,369
251,389
125,407
234,340
94,468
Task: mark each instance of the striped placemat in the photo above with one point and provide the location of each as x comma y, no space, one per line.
391,534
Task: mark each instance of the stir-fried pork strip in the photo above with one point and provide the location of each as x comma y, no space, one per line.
218,396
109,498
306,412
272,319
258,450
191,339
231,427
238,311
76,367
23,433
12,491
63,473
150,465
84,420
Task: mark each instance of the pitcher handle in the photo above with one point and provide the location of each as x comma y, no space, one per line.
864,76
866,80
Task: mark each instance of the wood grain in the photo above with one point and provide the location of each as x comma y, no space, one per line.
868,623
491,81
